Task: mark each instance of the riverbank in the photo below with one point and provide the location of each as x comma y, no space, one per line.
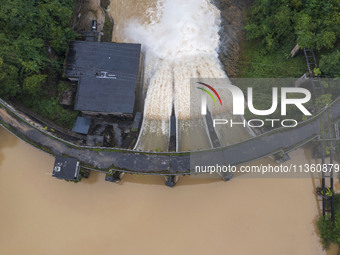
231,33
246,216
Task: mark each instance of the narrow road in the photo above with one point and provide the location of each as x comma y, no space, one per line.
283,139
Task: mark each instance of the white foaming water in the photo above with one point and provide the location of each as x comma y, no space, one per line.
179,28
179,43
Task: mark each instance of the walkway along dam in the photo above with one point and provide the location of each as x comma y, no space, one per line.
174,163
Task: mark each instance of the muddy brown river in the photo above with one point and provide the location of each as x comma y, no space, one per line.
42,215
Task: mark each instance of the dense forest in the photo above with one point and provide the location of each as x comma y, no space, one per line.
274,28
280,25
34,36
310,23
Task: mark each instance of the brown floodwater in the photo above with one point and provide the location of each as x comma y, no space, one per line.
43,215
123,11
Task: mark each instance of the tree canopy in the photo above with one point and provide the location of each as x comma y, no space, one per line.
33,41
311,23
330,64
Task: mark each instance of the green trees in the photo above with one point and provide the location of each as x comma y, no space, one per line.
33,41
34,83
34,36
311,23
330,64
273,28
330,231
9,85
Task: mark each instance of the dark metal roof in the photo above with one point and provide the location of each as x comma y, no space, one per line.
108,75
82,125
122,59
105,95
66,168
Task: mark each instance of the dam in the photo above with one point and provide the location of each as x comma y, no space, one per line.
171,163
168,71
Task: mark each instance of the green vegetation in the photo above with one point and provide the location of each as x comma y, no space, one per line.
50,109
33,40
257,62
330,64
323,100
279,25
309,23
108,29
329,230
273,29
108,23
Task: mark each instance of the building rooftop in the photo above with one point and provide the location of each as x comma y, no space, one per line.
66,168
116,96
82,125
107,74
121,59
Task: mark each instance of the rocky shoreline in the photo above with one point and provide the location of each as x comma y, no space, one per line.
232,32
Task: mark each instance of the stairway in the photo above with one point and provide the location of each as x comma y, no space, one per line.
315,79
327,187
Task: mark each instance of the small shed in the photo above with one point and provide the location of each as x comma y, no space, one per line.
82,125
66,169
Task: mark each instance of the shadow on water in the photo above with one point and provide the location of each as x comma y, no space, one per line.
192,180
142,179
93,178
160,180
6,141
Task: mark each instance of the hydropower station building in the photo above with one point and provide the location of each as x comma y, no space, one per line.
108,76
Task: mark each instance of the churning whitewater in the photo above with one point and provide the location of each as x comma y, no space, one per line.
179,42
